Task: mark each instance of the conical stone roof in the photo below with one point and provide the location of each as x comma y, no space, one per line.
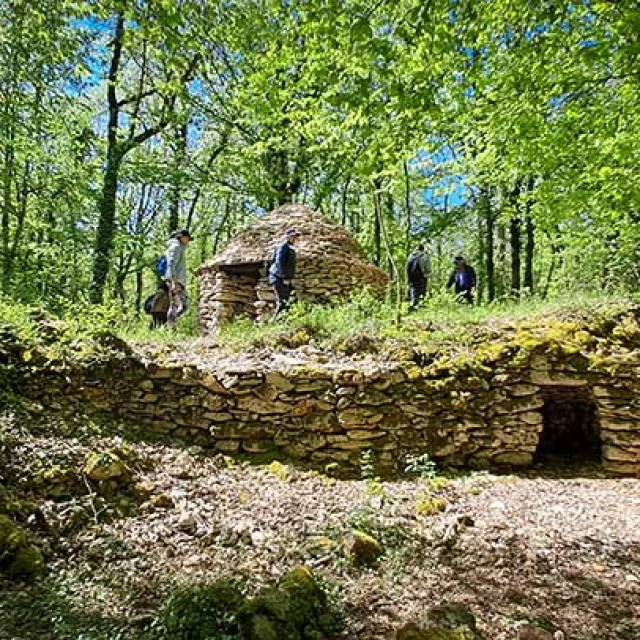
330,266
320,237
322,242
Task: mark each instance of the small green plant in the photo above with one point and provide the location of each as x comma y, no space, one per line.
281,471
375,488
427,505
368,465
438,483
361,518
422,466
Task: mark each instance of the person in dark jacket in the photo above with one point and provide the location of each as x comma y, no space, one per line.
463,279
283,270
417,274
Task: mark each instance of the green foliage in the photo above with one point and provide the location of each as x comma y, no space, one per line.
280,471
422,466
361,519
203,612
229,109
365,326
368,465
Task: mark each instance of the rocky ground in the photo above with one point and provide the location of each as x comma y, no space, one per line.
561,547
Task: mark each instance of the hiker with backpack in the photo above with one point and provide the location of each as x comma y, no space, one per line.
282,270
464,280
170,300
417,274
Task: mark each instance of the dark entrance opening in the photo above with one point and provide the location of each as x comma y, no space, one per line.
570,428
239,293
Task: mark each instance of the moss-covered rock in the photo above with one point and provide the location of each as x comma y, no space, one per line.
106,465
203,612
447,622
362,549
58,482
297,609
414,632
18,558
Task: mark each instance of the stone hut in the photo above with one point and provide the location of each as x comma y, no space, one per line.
331,264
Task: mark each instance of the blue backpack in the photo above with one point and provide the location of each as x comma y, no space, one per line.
161,266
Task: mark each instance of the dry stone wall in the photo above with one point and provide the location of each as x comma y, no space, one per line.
320,413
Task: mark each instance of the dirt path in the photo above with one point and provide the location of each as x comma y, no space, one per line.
563,549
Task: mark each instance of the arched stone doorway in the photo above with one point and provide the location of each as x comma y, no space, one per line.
571,428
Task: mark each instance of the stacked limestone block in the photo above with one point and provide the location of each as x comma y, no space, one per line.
323,413
330,266
225,295
485,406
619,418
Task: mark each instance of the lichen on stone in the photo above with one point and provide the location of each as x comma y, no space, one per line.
362,549
105,465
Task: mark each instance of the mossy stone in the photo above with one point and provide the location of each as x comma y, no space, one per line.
452,615
447,622
203,611
413,632
105,465
18,559
363,549
27,564
296,609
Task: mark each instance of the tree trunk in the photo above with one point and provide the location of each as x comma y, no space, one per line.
529,252
556,256
223,223
117,150
516,246
407,205
139,285
7,206
530,240
393,270
343,205
385,236
107,206
377,214
283,186
489,243
106,228
480,258
501,258
176,190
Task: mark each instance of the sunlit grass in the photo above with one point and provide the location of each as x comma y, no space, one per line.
439,318
361,324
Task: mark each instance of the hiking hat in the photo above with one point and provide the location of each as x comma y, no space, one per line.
293,233
183,233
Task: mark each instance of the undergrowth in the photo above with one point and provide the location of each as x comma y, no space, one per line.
366,325
362,325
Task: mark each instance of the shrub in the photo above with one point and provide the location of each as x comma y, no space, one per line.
203,612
